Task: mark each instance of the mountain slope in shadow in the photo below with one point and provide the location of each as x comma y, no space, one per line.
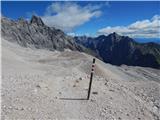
118,50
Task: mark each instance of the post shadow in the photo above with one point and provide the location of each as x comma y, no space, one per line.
73,98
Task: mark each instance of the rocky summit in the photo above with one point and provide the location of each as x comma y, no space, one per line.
35,33
118,50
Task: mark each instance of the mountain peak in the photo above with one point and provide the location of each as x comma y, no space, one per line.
115,34
36,20
115,37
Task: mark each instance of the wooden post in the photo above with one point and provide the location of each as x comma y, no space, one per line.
91,77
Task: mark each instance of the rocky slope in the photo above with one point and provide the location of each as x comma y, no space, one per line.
52,83
36,34
39,84
118,50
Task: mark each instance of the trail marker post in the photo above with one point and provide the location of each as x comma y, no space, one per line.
91,77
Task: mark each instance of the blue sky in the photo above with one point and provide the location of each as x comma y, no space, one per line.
135,19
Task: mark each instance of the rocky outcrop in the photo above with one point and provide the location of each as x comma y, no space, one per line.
35,33
37,21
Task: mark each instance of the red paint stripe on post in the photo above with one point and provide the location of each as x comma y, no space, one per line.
90,83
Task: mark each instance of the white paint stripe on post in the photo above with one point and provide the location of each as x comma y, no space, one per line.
90,83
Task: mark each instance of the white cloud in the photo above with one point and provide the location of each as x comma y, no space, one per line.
78,34
71,34
145,28
69,15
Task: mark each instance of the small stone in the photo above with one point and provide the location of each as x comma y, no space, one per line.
102,114
106,84
10,107
80,78
29,108
155,108
77,81
106,80
93,100
95,93
119,118
111,90
17,99
38,86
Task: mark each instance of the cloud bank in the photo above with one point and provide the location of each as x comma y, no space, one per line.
145,28
69,15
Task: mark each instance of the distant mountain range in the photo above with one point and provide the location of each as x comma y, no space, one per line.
114,49
118,50
147,40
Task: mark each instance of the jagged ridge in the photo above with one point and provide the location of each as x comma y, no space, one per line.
118,50
35,33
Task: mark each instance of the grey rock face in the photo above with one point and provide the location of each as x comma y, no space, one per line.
37,20
36,34
118,50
